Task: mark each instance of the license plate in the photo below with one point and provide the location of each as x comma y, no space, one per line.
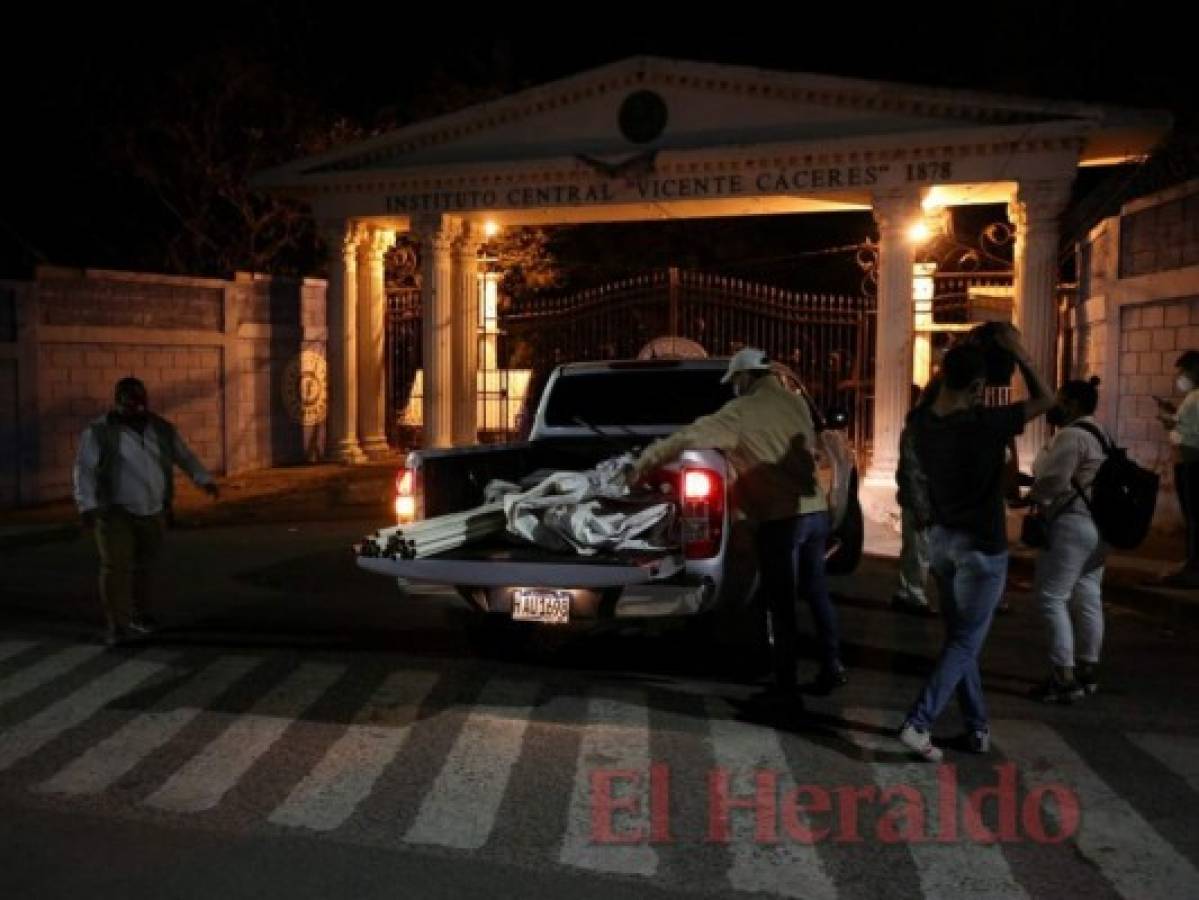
541,606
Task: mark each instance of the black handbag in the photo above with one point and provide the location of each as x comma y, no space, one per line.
1034,530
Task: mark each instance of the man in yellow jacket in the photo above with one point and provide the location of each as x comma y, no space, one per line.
767,434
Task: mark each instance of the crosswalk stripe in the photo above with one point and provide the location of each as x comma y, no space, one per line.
965,867
104,763
344,777
616,738
44,671
1112,834
1176,752
460,809
788,868
31,735
213,772
9,649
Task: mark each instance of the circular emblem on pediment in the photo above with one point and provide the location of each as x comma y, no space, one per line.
643,116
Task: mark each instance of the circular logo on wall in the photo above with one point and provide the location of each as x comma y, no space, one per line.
305,390
643,117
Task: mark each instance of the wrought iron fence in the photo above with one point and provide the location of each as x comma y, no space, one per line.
828,340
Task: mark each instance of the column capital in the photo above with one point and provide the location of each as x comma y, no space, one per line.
468,240
894,208
1038,202
373,242
435,231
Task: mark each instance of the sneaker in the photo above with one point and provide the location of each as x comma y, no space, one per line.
1087,678
142,625
1053,690
830,679
919,742
903,604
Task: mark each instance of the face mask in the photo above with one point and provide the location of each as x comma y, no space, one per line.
1184,384
1056,417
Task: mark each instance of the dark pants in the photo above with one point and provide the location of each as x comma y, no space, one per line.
128,546
791,565
1186,482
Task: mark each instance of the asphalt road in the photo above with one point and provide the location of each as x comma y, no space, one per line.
302,729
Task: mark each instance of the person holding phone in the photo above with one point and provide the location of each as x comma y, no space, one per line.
1182,421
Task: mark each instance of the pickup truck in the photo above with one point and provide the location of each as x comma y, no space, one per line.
589,412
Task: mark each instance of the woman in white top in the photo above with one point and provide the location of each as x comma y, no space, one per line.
1069,571
1183,423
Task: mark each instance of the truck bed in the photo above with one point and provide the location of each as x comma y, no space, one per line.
495,566
503,548
454,479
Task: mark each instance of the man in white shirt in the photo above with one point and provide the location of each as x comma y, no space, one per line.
124,487
1183,424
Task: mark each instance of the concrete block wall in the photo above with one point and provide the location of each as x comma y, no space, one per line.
1152,336
1135,318
212,353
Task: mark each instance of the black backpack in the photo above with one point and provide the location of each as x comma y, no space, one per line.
1123,494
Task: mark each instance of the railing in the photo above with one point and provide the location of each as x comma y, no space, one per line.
828,340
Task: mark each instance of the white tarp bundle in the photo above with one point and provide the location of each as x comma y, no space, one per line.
568,512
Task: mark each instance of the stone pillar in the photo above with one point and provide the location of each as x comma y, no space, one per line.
894,211
1034,211
342,321
437,235
372,308
466,338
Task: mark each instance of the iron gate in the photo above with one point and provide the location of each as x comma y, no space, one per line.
403,361
828,340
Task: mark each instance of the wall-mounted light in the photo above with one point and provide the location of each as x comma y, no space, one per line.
935,222
491,228
919,232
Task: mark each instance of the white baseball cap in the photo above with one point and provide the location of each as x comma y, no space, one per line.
749,359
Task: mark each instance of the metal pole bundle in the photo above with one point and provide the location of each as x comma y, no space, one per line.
437,535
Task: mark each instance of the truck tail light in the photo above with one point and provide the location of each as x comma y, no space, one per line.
702,512
697,485
407,500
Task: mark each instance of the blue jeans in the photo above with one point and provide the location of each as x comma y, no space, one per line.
971,585
791,565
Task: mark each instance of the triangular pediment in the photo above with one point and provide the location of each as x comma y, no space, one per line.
647,104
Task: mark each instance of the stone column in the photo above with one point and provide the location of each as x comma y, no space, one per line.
894,211
372,309
1034,211
466,338
437,234
342,321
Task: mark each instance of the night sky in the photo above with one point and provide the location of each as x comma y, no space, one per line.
76,84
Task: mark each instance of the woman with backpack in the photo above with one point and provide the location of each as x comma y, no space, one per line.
1069,570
